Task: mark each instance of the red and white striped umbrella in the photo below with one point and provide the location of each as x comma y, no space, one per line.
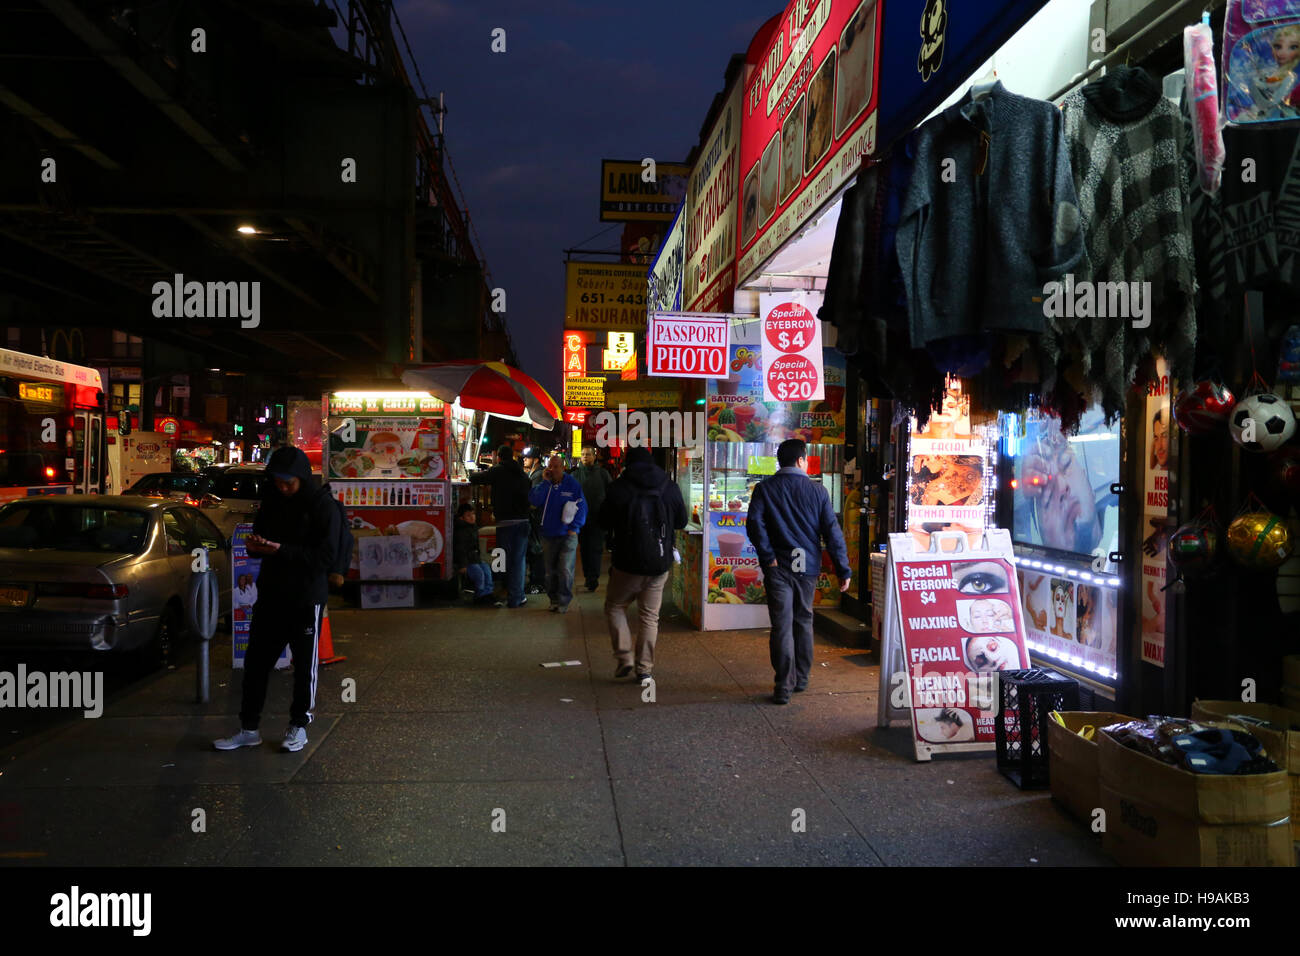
488,387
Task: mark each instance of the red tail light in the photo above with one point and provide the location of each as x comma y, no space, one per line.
110,592
49,471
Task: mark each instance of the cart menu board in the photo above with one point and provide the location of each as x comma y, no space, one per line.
956,618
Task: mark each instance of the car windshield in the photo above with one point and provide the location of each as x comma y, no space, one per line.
37,524
190,484
238,486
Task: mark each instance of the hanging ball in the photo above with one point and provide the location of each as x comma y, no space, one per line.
1202,408
1192,548
1259,540
1284,472
1261,423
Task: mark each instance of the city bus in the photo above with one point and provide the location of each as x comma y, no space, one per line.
52,438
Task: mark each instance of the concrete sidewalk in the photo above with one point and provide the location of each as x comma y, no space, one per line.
456,725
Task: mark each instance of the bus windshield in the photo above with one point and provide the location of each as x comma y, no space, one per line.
29,413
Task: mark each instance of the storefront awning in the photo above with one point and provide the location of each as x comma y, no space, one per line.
930,47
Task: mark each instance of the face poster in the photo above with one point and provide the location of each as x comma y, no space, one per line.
1063,492
1155,512
961,624
1075,619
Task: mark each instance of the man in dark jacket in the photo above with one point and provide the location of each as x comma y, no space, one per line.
643,555
295,534
536,560
595,481
510,504
789,515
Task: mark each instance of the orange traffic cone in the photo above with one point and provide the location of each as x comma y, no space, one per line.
326,647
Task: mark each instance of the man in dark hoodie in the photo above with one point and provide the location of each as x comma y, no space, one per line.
510,486
295,534
641,511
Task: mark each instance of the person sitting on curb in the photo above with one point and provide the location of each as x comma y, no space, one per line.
466,557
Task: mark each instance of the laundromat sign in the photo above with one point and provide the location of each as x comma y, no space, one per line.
808,116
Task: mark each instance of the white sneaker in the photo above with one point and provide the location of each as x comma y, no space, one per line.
245,738
295,738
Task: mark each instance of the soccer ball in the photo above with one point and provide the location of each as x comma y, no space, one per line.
1203,407
1192,548
1259,540
1261,423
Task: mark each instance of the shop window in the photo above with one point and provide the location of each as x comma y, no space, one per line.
127,346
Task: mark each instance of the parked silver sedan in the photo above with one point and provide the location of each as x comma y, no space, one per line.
102,572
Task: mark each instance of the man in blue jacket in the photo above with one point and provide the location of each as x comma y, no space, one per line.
789,515
564,511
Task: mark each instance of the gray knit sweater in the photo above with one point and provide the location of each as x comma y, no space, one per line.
1133,197
981,235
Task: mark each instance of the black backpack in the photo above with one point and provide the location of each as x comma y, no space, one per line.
344,543
648,545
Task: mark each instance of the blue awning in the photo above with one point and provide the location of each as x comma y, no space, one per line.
955,38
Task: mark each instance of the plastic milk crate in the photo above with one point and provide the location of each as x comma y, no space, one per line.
1028,697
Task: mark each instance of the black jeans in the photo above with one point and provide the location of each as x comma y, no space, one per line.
790,605
275,624
591,543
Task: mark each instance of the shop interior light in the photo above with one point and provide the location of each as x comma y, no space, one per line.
1059,569
382,395
247,230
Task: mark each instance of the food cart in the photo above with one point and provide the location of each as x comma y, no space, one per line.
388,464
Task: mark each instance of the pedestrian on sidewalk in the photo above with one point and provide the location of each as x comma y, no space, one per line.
536,563
509,485
295,534
466,557
789,516
563,513
595,482
641,512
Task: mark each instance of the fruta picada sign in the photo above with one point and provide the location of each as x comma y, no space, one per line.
792,347
688,344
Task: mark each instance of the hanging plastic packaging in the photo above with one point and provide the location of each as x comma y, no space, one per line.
1261,61
1203,103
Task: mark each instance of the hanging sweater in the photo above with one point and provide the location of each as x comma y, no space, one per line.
1125,142
989,218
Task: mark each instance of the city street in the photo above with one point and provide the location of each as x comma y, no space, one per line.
456,724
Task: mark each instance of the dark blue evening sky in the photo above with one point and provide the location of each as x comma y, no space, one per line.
526,129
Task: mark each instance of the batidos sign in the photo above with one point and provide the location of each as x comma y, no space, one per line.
688,344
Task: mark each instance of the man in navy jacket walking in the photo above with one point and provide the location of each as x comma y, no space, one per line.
564,512
789,515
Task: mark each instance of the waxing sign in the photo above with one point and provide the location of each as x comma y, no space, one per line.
792,348
688,344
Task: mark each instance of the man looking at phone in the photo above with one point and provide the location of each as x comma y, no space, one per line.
294,534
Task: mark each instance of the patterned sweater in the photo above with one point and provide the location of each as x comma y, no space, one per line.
1126,153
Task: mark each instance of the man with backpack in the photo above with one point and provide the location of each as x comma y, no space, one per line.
510,487
296,534
789,515
642,510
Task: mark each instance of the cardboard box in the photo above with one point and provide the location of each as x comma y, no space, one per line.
1283,746
1159,815
1203,797
1139,833
1072,760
